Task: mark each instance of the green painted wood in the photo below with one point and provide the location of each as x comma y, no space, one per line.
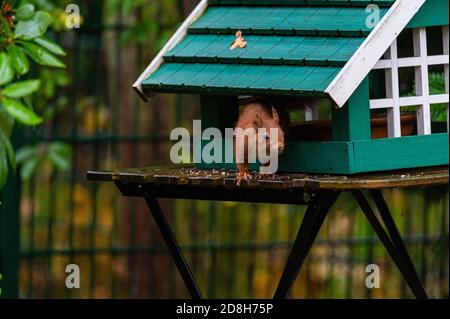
161,75
359,156
399,153
221,78
352,122
382,3
284,20
287,50
208,74
432,13
303,157
317,157
219,111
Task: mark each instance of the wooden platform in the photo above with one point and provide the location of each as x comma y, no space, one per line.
319,192
191,176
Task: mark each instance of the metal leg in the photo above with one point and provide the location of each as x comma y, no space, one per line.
391,240
312,222
173,247
386,215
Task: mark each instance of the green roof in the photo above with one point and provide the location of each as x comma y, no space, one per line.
293,47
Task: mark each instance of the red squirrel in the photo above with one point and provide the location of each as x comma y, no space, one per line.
259,114
264,113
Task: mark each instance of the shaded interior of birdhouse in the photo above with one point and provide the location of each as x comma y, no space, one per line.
310,117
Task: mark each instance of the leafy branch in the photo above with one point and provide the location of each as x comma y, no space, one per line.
22,38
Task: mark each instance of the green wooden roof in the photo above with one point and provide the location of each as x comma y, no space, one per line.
293,47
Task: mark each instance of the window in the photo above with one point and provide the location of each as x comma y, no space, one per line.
394,65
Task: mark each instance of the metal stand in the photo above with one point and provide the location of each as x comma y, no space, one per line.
312,222
391,239
174,248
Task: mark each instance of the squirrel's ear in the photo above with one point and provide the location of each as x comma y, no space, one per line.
275,115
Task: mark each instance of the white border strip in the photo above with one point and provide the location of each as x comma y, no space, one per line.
174,40
407,101
410,62
372,49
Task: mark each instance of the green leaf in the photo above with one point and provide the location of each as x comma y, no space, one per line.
60,148
5,28
41,55
20,112
61,163
21,89
18,59
62,78
25,153
6,122
32,28
9,149
6,71
59,154
50,46
25,12
28,168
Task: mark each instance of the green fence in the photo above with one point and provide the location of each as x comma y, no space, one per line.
236,250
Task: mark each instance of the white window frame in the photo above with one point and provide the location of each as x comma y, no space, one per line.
311,112
423,100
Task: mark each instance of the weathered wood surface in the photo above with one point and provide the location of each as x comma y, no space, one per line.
186,176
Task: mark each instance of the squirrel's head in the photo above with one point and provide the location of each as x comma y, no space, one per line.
273,122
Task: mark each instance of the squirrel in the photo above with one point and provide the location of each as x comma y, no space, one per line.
265,113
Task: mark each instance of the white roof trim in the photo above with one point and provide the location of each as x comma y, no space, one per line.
372,49
174,40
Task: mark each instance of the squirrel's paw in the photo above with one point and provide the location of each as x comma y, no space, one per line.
242,176
265,176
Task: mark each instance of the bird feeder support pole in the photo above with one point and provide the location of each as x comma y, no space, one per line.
173,246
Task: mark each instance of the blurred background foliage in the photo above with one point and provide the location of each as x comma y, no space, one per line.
93,120
26,90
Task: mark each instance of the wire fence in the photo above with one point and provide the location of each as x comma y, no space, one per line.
235,250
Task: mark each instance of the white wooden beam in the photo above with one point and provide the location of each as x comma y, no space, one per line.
311,112
407,101
372,49
174,40
381,104
422,85
393,91
413,61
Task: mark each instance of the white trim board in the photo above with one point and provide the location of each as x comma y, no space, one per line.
413,61
174,40
407,101
372,49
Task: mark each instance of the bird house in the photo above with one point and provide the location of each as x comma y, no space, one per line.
373,65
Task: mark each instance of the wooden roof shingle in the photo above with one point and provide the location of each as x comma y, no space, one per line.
294,47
